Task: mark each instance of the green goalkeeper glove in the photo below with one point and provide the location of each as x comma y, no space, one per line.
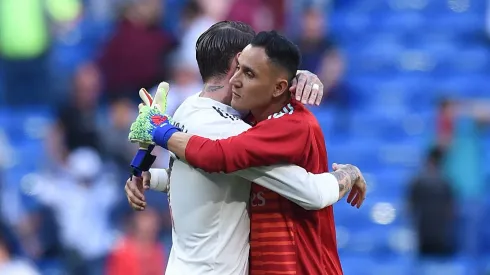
151,115
148,120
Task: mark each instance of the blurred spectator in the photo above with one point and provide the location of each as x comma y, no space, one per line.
25,38
194,22
432,206
331,72
449,110
100,10
10,265
216,9
321,55
445,123
122,112
139,252
338,93
183,84
76,121
39,236
460,131
82,201
314,41
134,57
259,14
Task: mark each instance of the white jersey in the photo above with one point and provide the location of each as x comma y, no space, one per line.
210,221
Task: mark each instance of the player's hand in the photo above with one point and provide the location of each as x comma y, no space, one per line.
149,119
159,101
146,179
307,88
135,188
151,116
357,194
140,130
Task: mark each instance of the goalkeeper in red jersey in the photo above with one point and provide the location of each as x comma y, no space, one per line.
285,238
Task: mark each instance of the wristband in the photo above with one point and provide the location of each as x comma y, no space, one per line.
161,135
142,161
159,180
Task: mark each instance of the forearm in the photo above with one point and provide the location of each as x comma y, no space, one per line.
346,178
310,191
178,143
258,146
202,153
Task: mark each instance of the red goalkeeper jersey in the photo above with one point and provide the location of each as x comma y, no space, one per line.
284,238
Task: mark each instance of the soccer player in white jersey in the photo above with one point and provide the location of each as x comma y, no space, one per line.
210,222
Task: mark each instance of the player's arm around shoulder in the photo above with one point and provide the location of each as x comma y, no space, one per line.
309,191
279,139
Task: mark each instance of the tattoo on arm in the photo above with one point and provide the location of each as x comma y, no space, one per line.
346,177
213,88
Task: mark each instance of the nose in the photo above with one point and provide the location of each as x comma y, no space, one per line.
235,80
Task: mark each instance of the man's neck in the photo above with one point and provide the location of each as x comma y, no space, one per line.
217,89
274,107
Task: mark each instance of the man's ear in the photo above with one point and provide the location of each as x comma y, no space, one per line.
282,86
232,67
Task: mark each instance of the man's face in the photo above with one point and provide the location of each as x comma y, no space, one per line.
256,81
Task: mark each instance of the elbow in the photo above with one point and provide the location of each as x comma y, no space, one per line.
316,202
325,194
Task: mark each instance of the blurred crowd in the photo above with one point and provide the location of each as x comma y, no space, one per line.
84,62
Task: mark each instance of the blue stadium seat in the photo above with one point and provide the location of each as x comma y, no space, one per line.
399,94
452,266
405,21
377,54
355,265
25,124
51,267
464,86
459,22
484,265
2,87
389,184
468,60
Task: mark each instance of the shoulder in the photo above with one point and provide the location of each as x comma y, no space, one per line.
188,103
208,121
292,116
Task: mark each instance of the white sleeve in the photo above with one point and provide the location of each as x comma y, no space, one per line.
160,181
310,191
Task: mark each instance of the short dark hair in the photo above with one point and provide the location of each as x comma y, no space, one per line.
280,50
217,46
